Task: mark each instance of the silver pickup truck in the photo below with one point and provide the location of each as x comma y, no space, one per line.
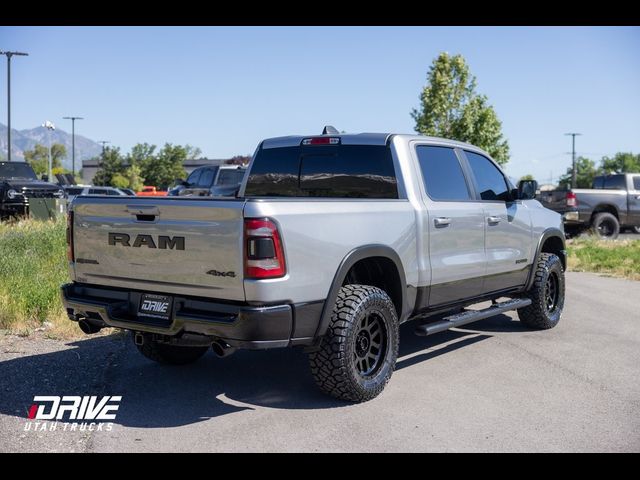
333,241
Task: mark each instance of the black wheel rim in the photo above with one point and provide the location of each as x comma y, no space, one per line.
605,228
552,292
370,344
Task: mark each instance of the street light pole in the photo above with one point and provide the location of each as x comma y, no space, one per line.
9,55
49,126
574,173
73,142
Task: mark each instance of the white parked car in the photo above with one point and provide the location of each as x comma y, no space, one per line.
75,190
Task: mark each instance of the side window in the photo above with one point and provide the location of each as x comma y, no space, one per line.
206,179
113,192
194,177
615,182
442,173
636,183
491,182
97,191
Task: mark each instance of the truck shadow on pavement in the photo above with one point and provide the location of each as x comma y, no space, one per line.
157,396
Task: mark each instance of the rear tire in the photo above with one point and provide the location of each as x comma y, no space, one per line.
357,355
170,354
605,225
546,294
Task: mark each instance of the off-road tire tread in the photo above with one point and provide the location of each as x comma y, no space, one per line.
535,316
329,365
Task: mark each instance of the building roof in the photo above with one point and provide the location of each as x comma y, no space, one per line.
189,163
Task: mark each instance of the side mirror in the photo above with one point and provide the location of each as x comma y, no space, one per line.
527,189
44,177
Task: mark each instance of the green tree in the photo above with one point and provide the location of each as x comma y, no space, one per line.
111,164
163,168
38,158
450,107
622,162
528,176
130,178
585,173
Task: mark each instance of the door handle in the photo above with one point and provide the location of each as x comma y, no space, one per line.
493,220
441,222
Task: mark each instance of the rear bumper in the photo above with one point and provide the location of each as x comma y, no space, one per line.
240,325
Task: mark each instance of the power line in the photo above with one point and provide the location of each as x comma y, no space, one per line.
9,55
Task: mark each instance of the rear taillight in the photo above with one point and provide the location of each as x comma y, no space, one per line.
572,201
70,255
263,252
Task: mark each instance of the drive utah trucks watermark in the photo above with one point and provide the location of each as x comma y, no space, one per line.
72,413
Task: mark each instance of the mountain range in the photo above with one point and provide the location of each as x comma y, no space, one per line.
22,140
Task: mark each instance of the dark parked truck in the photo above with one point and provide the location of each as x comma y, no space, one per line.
22,194
612,203
333,241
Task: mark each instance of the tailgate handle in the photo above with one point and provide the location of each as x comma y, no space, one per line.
144,213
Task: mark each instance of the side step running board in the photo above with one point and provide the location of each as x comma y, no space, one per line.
470,316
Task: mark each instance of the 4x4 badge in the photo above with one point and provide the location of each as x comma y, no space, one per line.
216,273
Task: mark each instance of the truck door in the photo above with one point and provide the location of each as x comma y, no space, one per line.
508,238
634,200
455,227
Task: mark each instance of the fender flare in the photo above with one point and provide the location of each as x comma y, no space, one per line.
354,256
547,234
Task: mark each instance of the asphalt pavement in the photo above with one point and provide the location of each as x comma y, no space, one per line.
491,386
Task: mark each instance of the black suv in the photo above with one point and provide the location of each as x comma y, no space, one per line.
221,180
18,185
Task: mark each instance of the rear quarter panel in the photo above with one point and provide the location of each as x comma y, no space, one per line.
318,234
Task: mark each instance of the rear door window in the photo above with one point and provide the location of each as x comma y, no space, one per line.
442,174
97,191
636,182
615,182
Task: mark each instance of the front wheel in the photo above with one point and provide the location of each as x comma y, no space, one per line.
358,353
546,294
636,229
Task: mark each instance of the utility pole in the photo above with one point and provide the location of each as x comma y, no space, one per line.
73,142
574,173
49,126
9,55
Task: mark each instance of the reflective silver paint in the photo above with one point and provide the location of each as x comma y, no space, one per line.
317,235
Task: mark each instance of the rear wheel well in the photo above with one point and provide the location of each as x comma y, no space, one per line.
378,272
555,245
605,209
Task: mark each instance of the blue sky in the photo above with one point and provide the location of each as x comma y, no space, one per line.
223,89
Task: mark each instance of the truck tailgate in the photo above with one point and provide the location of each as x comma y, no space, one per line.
172,245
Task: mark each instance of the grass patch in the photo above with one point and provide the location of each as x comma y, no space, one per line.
620,258
33,265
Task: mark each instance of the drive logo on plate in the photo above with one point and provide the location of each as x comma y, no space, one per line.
72,412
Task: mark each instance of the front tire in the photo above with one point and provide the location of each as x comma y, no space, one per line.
357,355
169,354
546,294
